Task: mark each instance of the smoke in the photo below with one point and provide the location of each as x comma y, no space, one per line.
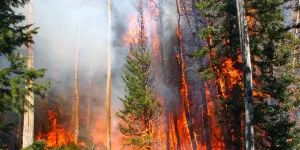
55,49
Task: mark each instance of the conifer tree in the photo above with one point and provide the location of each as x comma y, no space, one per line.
140,107
15,75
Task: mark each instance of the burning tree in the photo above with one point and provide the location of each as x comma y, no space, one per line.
141,109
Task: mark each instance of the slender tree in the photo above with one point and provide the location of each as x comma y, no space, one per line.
76,87
88,114
28,125
108,84
248,86
141,109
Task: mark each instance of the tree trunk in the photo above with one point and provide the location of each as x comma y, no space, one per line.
202,86
237,123
176,130
28,124
108,85
186,15
77,89
244,41
184,87
207,128
89,102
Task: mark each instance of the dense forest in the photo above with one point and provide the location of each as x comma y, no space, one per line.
149,74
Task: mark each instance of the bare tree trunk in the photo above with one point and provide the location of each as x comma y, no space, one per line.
244,41
89,101
108,88
77,89
28,126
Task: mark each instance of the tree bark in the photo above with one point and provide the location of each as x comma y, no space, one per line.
89,101
186,14
202,85
184,97
28,124
76,89
248,86
108,85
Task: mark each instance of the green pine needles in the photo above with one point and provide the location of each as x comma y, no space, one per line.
140,108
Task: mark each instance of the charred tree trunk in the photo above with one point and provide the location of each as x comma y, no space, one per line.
167,128
28,124
207,129
76,89
237,123
184,88
244,41
108,84
176,129
186,14
190,126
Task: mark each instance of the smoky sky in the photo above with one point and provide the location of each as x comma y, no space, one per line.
62,23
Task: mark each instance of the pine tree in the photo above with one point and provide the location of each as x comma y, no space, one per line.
15,75
141,109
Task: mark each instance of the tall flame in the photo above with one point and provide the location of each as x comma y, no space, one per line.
57,136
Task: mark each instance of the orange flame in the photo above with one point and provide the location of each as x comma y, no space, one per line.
57,136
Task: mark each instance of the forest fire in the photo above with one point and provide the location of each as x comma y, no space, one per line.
194,75
180,124
151,28
229,76
131,35
57,136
